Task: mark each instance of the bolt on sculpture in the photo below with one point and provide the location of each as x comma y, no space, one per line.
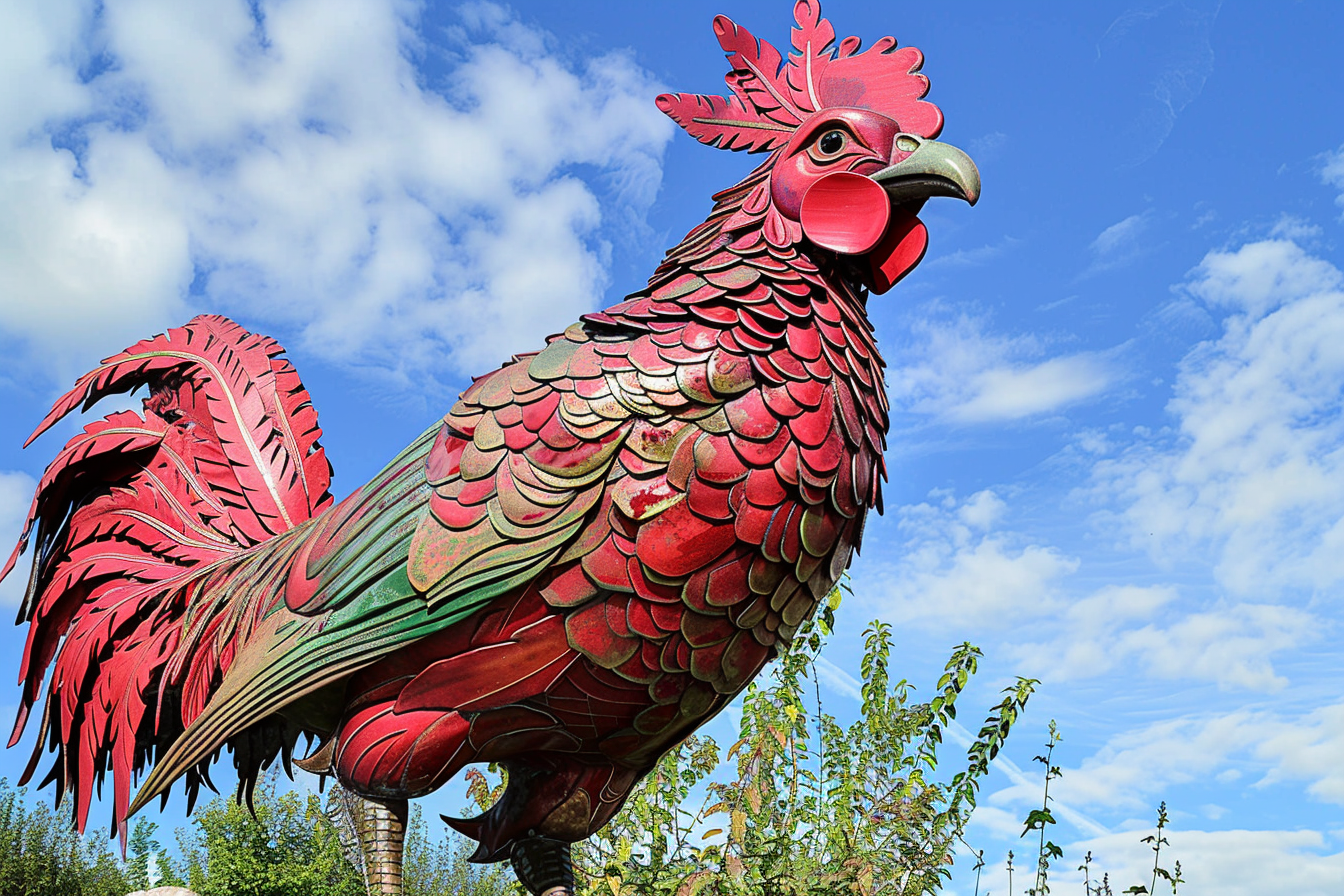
600,546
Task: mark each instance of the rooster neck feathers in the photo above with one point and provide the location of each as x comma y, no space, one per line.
601,544
749,281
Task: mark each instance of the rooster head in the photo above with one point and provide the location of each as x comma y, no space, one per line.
852,142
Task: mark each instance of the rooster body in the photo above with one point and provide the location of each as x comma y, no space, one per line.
600,545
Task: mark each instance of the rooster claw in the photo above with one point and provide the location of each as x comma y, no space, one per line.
474,829
319,763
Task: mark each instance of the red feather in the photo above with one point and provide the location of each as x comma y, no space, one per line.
602,543
772,96
226,455
724,122
814,46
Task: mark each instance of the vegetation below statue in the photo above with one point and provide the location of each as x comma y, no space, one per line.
798,805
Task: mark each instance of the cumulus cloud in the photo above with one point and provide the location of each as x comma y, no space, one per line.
1309,750
957,563
1254,465
960,372
1137,765
1131,772
952,566
1260,277
1230,646
1226,863
290,163
1134,768
1147,627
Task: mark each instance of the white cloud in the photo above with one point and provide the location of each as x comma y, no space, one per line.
952,567
1135,767
1215,863
1262,276
300,169
1089,629
959,372
16,494
1175,42
981,510
1254,468
1120,236
973,257
956,565
1118,244
1009,393
838,679
1309,749
1145,626
1332,173
1297,229
1229,646
986,147
1131,773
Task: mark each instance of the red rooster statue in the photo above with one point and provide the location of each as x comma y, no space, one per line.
600,545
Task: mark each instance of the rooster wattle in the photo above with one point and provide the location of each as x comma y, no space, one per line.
600,545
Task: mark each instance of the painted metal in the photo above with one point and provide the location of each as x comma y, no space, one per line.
597,548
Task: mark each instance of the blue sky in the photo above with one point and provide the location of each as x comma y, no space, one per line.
1117,460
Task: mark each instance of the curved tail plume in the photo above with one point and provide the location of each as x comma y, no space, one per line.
224,457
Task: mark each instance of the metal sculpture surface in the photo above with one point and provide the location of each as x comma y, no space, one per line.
601,544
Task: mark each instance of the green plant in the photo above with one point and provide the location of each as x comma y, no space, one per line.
42,855
978,867
147,863
807,806
1157,841
1103,888
432,865
1040,819
1047,851
438,866
285,846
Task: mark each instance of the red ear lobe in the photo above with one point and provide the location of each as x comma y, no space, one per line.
845,212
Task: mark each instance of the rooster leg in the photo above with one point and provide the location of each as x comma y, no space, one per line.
543,866
381,827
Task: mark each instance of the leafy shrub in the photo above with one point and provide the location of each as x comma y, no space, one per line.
289,847
42,855
810,807
438,866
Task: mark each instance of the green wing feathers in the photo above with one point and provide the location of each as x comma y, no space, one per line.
473,509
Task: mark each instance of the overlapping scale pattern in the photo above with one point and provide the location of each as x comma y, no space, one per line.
676,481
601,544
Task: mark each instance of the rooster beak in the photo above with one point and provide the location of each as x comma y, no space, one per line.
931,169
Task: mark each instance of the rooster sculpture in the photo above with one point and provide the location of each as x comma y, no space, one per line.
600,545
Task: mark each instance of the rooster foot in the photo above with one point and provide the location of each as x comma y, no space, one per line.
543,866
380,825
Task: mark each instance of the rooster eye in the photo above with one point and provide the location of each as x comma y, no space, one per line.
831,142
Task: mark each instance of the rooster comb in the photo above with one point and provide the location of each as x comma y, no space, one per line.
772,96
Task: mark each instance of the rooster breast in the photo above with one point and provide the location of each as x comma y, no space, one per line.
691,468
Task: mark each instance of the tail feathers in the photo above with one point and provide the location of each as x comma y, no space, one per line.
128,521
